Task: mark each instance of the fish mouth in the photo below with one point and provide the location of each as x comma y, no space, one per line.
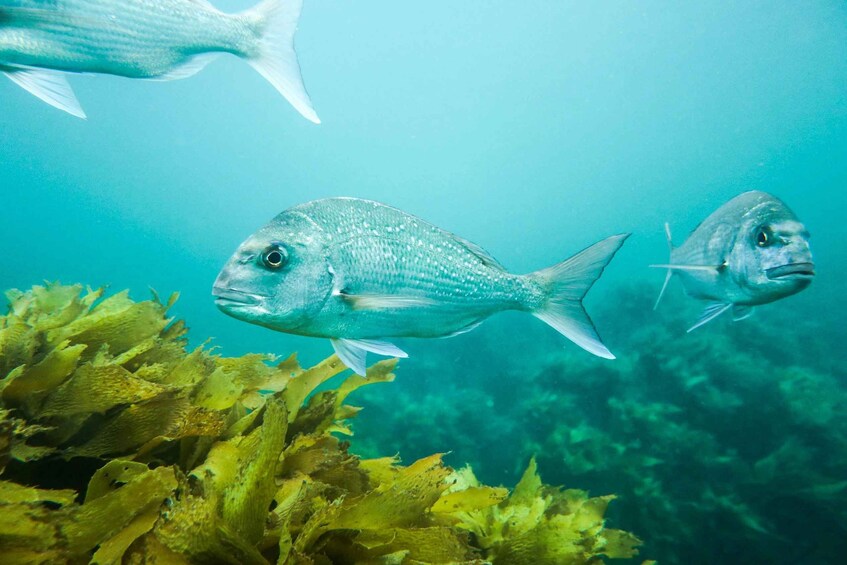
234,298
794,270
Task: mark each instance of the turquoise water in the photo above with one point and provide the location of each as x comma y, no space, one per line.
533,129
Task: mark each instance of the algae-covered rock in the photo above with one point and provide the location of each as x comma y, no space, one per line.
117,445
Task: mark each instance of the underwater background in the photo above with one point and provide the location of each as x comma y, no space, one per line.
532,129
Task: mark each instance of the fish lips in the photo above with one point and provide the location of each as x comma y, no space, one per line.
226,298
791,270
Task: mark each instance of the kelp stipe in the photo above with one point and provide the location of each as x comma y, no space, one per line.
119,446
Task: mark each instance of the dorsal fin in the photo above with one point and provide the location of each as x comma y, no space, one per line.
487,259
204,3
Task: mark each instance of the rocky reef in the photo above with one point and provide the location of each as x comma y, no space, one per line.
118,445
734,433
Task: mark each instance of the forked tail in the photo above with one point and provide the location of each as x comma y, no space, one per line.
275,58
567,283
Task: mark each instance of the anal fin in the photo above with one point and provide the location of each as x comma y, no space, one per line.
353,352
709,313
190,68
49,86
470,327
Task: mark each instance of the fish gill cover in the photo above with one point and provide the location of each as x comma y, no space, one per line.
118,445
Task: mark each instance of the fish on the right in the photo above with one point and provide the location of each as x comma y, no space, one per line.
751,251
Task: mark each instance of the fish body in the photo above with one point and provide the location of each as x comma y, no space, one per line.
150,39
751,251
360,272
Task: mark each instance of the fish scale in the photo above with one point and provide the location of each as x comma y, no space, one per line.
435,264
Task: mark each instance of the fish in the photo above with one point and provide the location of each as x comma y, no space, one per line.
41,41
361,272
751,251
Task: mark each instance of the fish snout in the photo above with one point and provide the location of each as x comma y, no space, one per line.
228,296
222,281
234,297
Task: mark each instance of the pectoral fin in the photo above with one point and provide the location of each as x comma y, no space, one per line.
353,352
710,312
384,301
50,86
708,268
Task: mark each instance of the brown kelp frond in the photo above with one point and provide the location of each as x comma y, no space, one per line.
538,524
156,454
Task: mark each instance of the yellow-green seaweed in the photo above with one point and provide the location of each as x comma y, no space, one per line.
191,457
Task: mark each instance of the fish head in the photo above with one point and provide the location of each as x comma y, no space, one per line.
771,257
278,278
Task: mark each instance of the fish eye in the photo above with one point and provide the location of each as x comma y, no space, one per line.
274,257
764,236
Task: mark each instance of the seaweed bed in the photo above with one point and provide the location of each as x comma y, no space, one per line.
119,445
725,445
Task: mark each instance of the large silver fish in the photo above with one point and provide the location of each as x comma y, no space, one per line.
40,40
750,251
359,272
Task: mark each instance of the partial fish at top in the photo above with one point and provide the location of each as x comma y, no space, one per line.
40,40
750,251
358,272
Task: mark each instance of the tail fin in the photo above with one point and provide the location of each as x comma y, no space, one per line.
275,58
670,271
568,282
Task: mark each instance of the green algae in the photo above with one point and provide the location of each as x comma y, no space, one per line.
171,456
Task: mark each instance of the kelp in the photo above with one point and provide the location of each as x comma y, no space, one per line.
156,454
735,432
539,524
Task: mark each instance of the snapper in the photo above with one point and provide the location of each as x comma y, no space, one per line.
359,273
41,40
751,251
